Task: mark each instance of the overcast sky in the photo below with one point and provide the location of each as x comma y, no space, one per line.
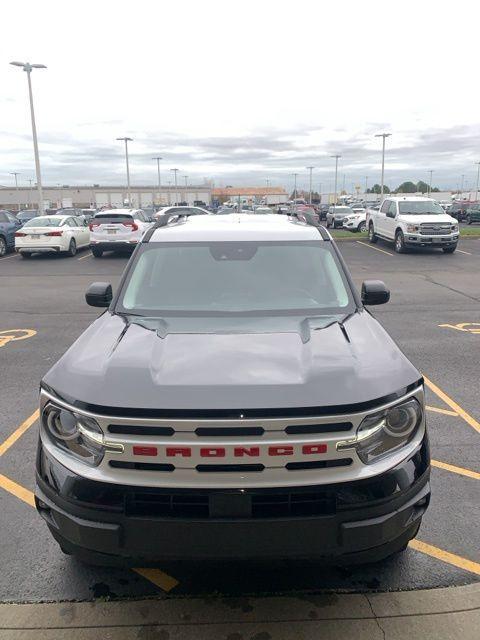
242,91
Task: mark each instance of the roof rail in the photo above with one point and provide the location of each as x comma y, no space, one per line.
164,219
311,219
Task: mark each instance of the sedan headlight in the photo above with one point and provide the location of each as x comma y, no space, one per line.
382,434
412,228
77,435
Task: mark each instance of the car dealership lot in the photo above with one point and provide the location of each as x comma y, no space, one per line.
45,296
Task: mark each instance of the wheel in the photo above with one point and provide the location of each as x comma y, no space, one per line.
72,248
362,227
449,249
26,254
468,220
96,252
3,246
372,237
328,224
399,242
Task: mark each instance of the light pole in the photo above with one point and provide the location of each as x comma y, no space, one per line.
175,171
27,67
336,156
127,140
158,158
267,182
478,179
294,191
186,185
461,188
383,136
30,193
366,185
310,169
16,173
430,183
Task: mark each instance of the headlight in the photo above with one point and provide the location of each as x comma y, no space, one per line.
79,436
384,433
412,228
454,227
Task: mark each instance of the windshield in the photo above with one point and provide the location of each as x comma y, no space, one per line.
42,222
249,278
25,215
421,208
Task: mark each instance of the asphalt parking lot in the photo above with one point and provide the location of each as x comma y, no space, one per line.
434,315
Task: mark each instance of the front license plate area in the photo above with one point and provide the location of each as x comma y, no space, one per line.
230,505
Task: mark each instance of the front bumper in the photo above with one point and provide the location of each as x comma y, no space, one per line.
349,522
418,240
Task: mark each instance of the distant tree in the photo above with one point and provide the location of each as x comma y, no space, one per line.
422,186
378,189
435,190
406,187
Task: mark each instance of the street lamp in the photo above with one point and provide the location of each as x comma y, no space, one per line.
158,158
30,193
461,189
294,191
383,136
127,140
430,183
310,169
366,184
27,67
175,171
16,173
478,179
336,156
186,185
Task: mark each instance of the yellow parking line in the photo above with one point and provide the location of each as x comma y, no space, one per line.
445,556
452,404
157,577
160,579
446,412
89,255
375,248
18,432
460,470
17,490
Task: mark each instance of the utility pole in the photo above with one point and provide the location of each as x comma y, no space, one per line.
366,184
310,187
175,171
186,185
383,136
158,158
430,183
294,191
478,180
30,193
16,173
27,67
461,188
267,182
336,156
127,140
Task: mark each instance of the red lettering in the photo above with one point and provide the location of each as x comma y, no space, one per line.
314,448
280,451
145,451
185,452
212,452
239,452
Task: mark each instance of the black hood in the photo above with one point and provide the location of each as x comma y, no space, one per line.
119,364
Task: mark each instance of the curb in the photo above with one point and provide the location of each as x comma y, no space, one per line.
445,613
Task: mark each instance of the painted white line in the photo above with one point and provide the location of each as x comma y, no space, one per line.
465,252
374,248
15,255
89,255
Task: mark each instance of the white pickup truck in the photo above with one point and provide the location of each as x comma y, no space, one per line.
413,221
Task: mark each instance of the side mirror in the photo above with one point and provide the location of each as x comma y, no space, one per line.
99,294
374,292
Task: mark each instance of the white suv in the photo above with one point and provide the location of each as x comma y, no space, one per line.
413,221
117,230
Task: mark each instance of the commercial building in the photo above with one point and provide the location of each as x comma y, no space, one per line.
98,196
247,195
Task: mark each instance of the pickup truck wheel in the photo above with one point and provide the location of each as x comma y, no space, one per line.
372,237
362,227
468,220
3,246
399,242
97,253
449,249
72,248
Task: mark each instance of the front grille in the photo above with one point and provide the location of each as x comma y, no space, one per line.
435,229
225,431
217,505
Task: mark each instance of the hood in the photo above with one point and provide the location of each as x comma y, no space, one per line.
441,218
117,364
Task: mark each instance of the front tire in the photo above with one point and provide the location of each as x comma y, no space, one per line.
372,236
72,248
362,227
3,246
449,249
399,242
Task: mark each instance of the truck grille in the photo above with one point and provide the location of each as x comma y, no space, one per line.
431,229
